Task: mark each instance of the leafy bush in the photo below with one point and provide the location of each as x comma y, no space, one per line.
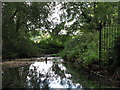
82,48
85,48
19,47
49,46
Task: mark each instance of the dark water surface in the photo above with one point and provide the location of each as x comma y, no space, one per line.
52,74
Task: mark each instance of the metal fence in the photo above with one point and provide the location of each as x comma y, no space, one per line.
107,39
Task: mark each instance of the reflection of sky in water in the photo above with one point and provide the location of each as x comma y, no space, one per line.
52,75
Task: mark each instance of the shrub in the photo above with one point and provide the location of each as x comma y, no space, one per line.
50,46
85,48
19,47
82,48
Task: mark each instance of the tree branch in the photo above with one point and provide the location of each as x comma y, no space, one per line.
14,13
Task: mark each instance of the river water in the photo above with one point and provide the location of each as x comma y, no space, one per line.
50,74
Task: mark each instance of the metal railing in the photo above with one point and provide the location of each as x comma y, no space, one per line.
108,35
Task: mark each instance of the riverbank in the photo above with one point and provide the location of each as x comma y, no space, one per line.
16,63
93,77
102,75
26,61
20,62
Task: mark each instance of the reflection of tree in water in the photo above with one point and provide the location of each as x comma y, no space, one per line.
58,70
39,80
61,73
14,77
36,77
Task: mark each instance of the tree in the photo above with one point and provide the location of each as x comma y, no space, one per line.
20,21
90,15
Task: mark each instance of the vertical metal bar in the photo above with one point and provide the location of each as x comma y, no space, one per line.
100,35
1,44
110,35
102,43
104,39
108,41
116,26
108,46
111,27
114,34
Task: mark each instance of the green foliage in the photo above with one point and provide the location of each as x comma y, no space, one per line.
82,48
89,15
19,47
49,46
18,20
22,21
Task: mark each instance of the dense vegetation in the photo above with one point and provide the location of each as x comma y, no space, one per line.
20,21
80,32
84,49
79,50
49,46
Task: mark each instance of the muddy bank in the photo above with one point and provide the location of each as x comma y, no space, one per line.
16,63
20,62
94,75
103,76
25,61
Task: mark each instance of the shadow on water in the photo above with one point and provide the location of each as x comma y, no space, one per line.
87,79
51,74
39,75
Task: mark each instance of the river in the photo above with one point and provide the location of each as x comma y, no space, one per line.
53,73
50,74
